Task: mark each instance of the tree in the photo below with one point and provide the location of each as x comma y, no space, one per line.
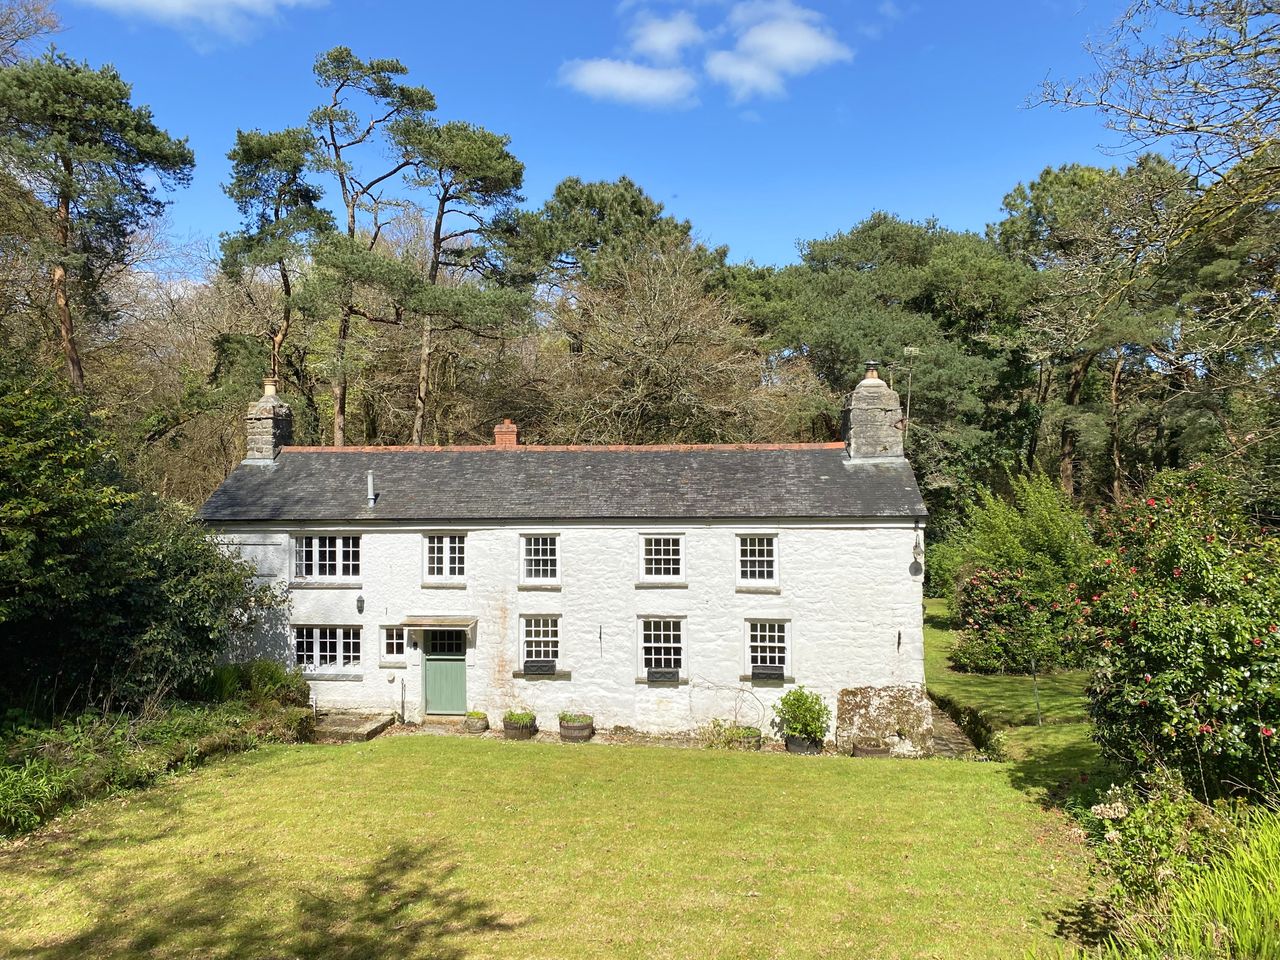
71,135
394,123
21,21
281,213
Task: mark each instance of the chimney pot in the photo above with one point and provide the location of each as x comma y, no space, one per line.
269,425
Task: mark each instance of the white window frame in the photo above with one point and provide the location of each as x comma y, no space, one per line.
642,671
788,666
347,553
451,553
343,637
527,580
522,636
646,577
738,558
385,655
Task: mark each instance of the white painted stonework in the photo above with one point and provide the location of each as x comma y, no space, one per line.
850,591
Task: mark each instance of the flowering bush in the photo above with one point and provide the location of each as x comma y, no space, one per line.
1011,624
1187,623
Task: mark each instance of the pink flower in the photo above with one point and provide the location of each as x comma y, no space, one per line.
1205,728
1256,641
1151,502
1146,677
1272,629
1177,571
1266,731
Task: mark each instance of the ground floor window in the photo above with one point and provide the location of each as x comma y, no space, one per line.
318,648
393,643
767,644
662,644
541,640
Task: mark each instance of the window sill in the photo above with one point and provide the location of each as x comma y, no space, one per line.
747,678
558,675
662,585
644,681
744,588
553,587
324,585
318,677
393,665
444,585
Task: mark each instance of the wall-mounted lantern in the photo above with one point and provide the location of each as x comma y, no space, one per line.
360,603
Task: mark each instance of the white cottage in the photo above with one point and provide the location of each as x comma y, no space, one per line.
654,587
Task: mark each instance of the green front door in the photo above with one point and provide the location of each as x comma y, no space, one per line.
444,669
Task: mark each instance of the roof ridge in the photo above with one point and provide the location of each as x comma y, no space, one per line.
568,448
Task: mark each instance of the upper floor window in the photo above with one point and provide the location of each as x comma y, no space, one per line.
445,556
541,559
758,560
328,557
320,648
663,557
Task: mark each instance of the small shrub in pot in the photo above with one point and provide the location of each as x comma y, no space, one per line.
802,718
576,727
519,725
476,721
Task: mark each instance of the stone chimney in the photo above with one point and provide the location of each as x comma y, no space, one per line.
270,425
505,434
873,419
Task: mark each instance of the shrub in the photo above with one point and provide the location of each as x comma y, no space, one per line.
801,713
477,715
569,717
1013,626
726,735
520,718
29,794
1187,621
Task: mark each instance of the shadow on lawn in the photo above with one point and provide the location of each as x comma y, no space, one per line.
404,904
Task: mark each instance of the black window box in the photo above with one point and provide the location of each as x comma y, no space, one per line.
539,668
760,672
665,675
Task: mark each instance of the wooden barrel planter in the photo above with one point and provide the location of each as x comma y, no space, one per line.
871,748
517,725
475,723
576,728
745,738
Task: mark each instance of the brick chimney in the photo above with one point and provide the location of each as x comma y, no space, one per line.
269,424
873,419
504,435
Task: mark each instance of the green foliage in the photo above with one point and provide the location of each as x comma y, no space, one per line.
567,716
105,593
258,682
477,715
46,770
1019,562
520,718
728,735
1188,627
802,713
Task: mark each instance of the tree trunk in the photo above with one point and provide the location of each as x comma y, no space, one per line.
1042,397
1117,463
340,380
1069,435
66,325
424,375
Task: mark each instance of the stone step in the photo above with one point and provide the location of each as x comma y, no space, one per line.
339,727
948,739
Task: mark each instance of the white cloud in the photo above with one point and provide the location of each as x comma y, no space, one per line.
664,40
630,82
225,16
775,39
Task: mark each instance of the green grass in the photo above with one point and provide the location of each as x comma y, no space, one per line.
1057,759
448,847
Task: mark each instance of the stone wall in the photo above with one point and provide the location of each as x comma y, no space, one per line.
848,591
898,716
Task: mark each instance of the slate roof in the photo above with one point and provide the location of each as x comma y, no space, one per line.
567,483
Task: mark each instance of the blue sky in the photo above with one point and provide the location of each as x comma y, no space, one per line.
764,122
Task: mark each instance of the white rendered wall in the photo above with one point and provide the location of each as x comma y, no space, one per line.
848,590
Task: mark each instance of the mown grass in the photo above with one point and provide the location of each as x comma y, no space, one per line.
423,846
1054,759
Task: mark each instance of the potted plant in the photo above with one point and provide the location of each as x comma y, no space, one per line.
744,738
576,727
476,721
519,725
802,718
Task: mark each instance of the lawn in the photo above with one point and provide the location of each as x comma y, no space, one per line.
425,846
1058,755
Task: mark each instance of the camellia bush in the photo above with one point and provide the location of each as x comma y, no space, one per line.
1185,606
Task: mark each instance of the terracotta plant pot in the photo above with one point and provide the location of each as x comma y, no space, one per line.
475,724
803,745
512,732
577,732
